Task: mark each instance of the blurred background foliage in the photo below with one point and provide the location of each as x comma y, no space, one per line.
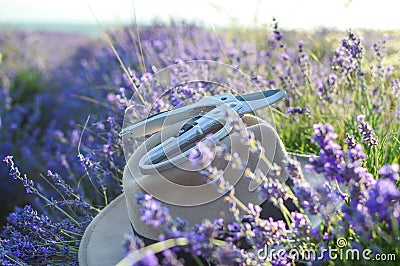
51,82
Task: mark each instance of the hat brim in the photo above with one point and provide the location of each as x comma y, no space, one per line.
102,241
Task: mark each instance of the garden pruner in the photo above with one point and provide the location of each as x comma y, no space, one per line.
202,118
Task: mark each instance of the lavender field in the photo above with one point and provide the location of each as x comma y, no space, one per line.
62,103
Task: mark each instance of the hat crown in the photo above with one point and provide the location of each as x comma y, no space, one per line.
188,194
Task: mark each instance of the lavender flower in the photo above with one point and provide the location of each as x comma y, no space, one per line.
204,152
390,172
277,34
59,182
132,243
297,110
307,197
301,223
30,237
15,173
349,54
149,259
95,169
367,132
350,141
228,255
303,58
152,212
384,201
170,258
275,191
330,160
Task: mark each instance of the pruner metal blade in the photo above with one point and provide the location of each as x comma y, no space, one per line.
257,100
